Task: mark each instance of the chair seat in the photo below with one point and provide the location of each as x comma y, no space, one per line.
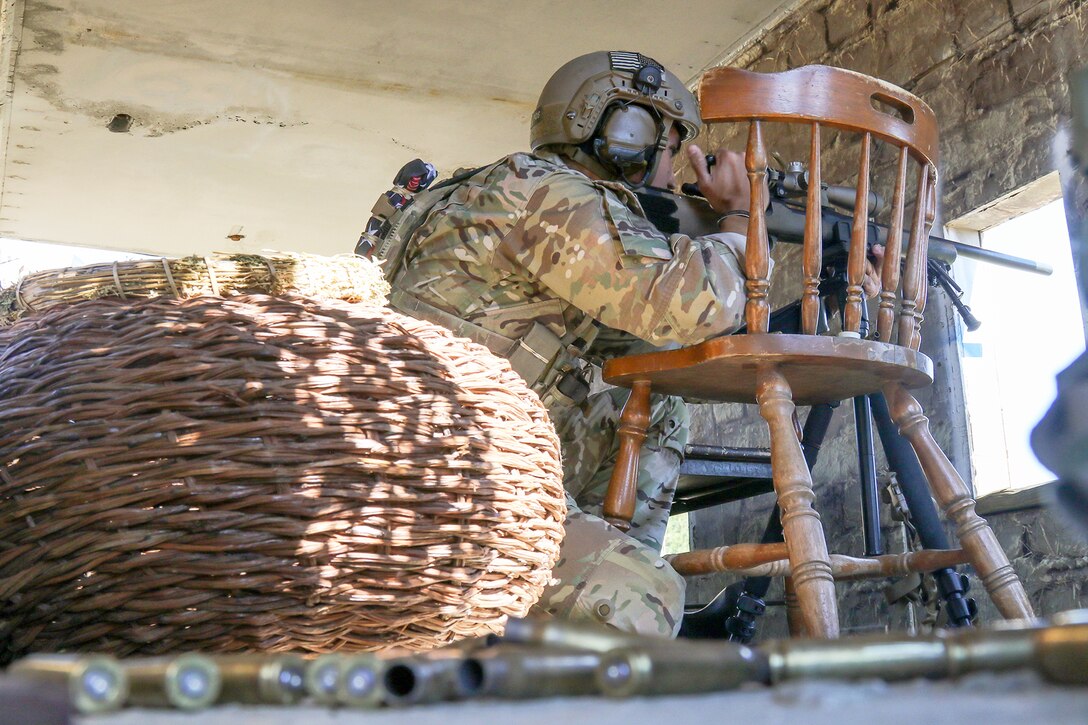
819,369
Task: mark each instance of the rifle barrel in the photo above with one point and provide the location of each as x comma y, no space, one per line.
990,257
786,223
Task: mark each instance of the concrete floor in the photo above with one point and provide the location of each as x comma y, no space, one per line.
1009,699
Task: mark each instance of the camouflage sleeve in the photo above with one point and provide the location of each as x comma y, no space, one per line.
587,245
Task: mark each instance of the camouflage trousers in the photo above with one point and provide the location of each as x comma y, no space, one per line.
604,575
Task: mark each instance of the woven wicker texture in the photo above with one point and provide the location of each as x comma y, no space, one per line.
346,277
264,473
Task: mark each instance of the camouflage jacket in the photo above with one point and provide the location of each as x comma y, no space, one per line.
531,239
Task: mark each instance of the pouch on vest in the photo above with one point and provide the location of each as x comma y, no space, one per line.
389,240
534,353
413,177
549,366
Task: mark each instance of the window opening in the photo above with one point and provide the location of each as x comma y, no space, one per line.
1032,327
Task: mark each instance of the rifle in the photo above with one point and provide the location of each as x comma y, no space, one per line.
689,213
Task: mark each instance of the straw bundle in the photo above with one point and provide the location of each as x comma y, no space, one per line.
348,278
263,473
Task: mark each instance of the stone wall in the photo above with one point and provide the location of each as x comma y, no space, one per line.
994,72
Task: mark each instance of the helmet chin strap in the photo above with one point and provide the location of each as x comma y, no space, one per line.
655,160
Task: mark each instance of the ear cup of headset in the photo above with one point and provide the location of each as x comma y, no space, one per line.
627,138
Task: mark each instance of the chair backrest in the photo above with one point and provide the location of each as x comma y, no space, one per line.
825,97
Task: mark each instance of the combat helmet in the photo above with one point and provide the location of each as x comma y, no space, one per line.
590,99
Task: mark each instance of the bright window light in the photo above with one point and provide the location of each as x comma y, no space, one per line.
1031,328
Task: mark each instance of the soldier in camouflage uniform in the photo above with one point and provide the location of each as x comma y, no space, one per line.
548,259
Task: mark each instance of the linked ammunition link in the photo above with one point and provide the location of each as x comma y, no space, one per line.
549,658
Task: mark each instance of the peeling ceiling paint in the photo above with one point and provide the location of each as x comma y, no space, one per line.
288,119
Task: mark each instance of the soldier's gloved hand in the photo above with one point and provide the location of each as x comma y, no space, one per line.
725,185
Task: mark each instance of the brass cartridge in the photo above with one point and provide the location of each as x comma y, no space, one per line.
187,682
894,658
262,679
525,672
361,681
857,658
324,675
556,633
95,683
429,677
679,668
1061,654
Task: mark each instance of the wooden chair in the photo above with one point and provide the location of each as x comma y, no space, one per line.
781,371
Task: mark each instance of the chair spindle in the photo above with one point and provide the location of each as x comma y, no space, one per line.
855,266
757,311
893,251
813,250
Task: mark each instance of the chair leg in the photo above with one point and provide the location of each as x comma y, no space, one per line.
810,564
622,495
794,619
975,535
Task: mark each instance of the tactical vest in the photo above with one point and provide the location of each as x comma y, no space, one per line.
551,365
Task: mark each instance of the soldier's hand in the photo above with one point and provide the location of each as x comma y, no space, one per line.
870,284
725,185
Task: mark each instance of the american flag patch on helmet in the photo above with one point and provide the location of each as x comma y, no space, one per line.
630,62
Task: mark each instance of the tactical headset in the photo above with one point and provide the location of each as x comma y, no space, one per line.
627,138
631,135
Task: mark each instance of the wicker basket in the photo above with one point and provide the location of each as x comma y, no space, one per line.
346,277
264,473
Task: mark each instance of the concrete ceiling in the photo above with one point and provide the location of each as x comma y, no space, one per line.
281,121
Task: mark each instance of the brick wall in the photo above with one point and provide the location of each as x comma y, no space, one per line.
994,72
